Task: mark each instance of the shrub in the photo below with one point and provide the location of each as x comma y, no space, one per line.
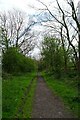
15,62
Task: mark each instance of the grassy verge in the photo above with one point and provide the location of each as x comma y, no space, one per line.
29,102
13,89
0,97
68,93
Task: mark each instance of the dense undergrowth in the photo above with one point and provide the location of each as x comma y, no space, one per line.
16,63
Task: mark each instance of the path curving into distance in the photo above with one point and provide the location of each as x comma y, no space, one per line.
47,104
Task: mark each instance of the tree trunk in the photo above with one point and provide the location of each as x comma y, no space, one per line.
63,46
17,39
79,54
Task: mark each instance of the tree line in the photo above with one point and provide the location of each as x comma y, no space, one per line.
61,46
56,60
16,42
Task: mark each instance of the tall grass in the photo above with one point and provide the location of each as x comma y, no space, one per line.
13,89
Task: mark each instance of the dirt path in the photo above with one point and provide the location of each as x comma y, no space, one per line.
47,105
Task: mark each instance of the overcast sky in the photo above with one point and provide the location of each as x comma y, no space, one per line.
20,4
24,5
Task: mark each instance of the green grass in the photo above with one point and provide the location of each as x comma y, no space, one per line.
13,89
68,93
29,102
28,105
0,97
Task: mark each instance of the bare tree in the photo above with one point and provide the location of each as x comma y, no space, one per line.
15,28
67,20
75,18
4,30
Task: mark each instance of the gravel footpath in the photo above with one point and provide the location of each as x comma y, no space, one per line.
47,104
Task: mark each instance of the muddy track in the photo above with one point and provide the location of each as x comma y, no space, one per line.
47,104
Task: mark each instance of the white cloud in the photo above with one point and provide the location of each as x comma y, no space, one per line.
24,4
19,4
